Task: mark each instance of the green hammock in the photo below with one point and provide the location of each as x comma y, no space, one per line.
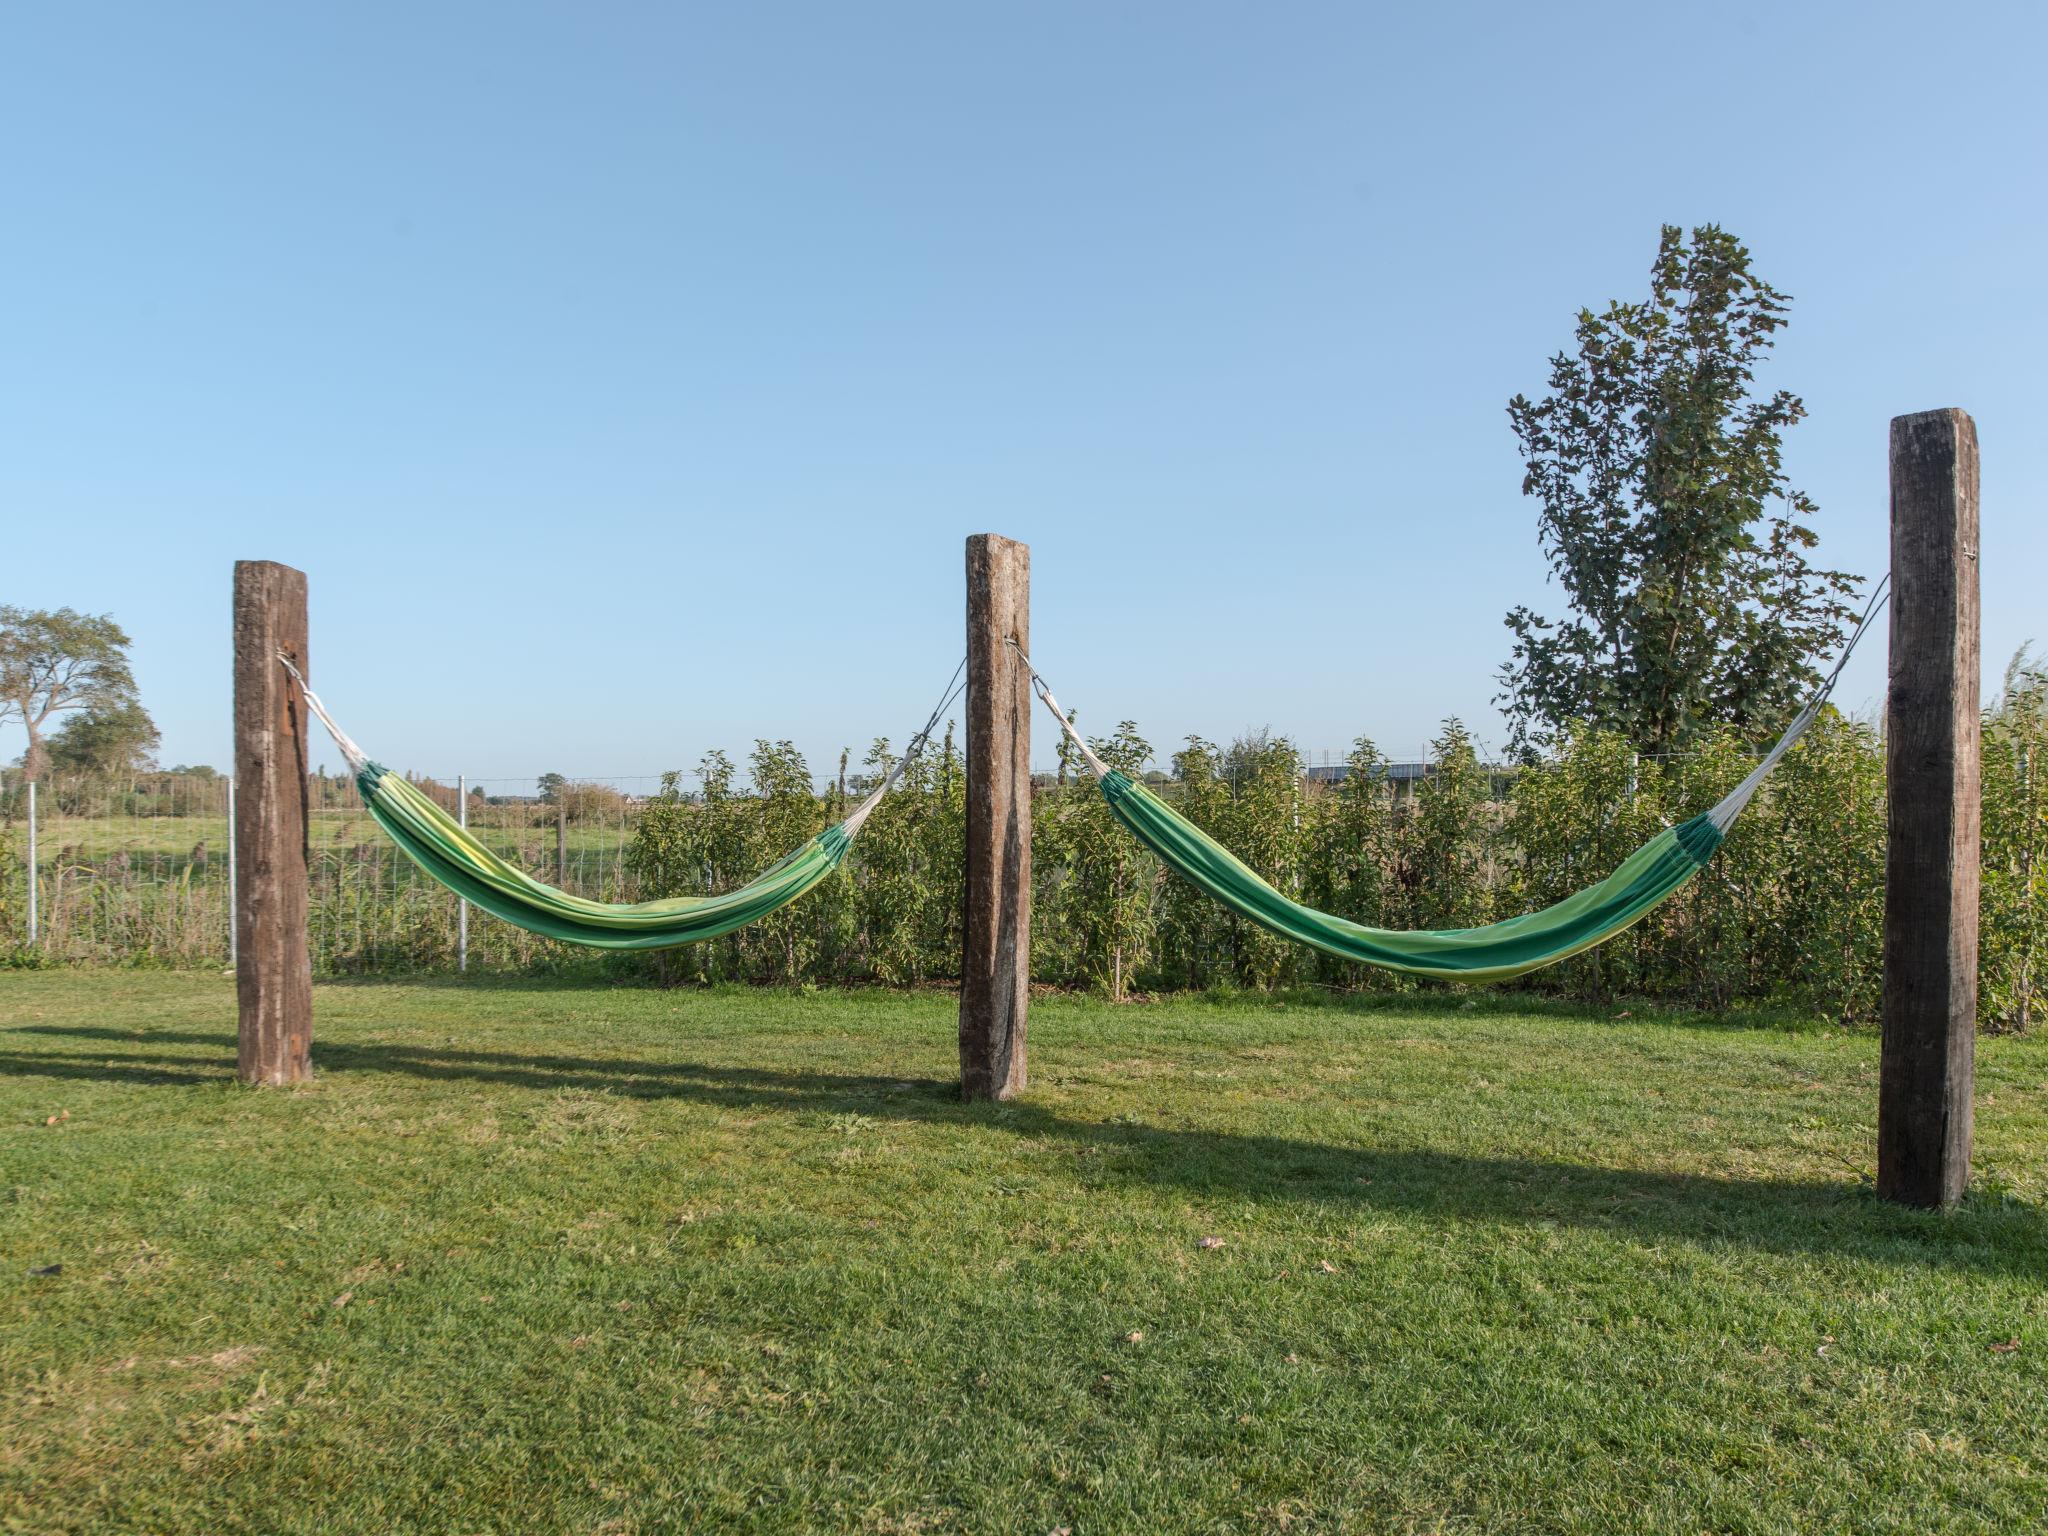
1492,953
444,849
432,839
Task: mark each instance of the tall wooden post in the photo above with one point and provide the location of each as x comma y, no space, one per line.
995,966
1932,729
273,970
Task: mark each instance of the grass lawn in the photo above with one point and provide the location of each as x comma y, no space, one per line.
537,1259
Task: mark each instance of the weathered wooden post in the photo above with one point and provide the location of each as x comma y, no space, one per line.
273,970
995,966
1932,733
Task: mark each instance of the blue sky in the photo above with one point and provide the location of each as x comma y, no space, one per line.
626,377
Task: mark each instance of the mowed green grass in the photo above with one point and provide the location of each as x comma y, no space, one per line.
536,1259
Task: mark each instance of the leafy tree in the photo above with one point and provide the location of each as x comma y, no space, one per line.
1657,464
1572,820
550,785
1107,899
118,739
1262,825
1192,924
1819,929
586,801
55,662
2014,967
1446,862
786,814
1359,835
1349,853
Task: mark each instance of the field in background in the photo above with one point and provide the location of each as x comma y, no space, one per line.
537,1259
136,871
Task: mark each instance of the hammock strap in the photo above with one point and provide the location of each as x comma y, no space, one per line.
1039,686
1731,806
356,758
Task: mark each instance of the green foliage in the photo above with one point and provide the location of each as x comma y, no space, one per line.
1262,823
1818,933
2014,969
1352,861
1657,464
786,815
895,883
56,662
1192,930
1788,912
1572,820
1100,910
115,738
1446,867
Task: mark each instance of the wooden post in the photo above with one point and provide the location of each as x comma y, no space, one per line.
273,970
562,838
995,963
1932,766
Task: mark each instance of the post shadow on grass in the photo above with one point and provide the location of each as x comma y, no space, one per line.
1772,1215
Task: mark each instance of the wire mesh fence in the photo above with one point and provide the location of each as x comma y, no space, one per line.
117,869
139,870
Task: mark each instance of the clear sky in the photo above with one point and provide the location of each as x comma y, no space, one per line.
626,377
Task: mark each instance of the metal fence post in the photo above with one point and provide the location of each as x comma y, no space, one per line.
462,903
234,948
31,861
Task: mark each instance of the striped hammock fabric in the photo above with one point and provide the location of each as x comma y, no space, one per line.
444,849
1494,952
433,840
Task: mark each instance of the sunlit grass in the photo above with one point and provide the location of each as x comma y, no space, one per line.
540,1259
